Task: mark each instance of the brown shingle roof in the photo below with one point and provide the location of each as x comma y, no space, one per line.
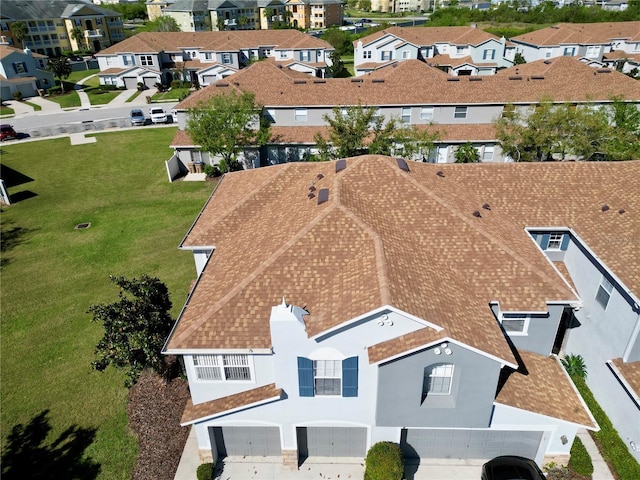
404,343
630,372
543,387
214,407
430,35
581,33
155,42
413,82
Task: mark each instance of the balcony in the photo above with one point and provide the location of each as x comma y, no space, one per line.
93,33
230,22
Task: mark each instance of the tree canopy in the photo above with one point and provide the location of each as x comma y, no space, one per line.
162,24
225,124
560,131
20,31
60,67
136,327
359,129
466,153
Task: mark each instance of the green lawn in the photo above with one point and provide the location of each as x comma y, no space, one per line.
35,106
51,273
4,110
76,76
174,93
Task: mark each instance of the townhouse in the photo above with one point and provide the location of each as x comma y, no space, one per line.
460,108
455,50
204,57
22,71
606,43
339,304
206,15
58,26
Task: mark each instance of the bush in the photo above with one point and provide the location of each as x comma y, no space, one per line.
17,96
140,86
205,471
57,90
212,171
180,84
575,366
580,461
384,462
108,88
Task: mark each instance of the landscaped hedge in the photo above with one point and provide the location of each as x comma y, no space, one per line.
580,461
612,447
205,471
384,462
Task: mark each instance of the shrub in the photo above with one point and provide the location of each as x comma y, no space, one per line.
580,461
180,84
575,366
17,96
57,90
384,462
212,171
140,86
205,471
108,88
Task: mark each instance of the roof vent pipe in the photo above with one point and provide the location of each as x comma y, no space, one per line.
605,207
477,214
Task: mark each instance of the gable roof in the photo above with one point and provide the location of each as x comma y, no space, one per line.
429,35
413,82
581,33
38,10
156,42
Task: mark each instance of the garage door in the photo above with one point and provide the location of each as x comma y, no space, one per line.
246,441
427,443
149,82
332,441
130,83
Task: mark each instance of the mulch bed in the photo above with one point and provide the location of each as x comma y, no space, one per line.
155,408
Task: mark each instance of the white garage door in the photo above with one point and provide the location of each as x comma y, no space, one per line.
246,441
130,83
332,441
484,444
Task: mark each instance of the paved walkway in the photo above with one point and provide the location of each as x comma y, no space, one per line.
600,468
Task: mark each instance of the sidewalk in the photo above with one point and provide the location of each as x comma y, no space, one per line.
600,468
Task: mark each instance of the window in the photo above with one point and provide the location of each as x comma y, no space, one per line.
387,55
226,58
327,377
20,67
305,56
406,54
301,114
437,380
406,115
489,54
98,21
222,367
270,115
547,53
569,51
208,56
515,324
426,113
366,54
77,22
593,51
487,154
604,292
460,112
555,241
460,50
146,60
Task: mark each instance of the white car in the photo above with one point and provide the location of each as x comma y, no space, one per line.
157,115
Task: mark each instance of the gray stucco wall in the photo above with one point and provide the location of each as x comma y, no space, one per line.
469,405
541,332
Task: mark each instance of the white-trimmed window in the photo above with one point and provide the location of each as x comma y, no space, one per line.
146,60
301,114
489,54
226,58
555,241
515,324
406,115
232,367
487,153
406,54
547,53
327,377
366,54
461,50
386,55
569,51
460,112
604,292
593,51
438,380
305,55
426,113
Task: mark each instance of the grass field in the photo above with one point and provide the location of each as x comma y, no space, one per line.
51,273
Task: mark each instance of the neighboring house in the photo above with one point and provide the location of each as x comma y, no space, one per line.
155,8
58,26
190,15
461,109
205,57
591,41
315,14
22,71
339,304
456,50
396,6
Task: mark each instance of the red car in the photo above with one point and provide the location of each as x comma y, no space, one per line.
7,132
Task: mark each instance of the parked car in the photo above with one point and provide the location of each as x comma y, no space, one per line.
509,467
137,117
157,115
7,132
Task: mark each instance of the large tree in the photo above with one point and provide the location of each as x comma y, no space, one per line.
466,153
60,67
19,30
359,129
135,327
225,124
162,24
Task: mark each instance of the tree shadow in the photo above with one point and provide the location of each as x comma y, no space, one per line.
11,238
26,455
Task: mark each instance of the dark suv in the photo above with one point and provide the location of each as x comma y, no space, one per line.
7,132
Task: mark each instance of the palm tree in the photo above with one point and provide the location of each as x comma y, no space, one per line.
19,30
77,34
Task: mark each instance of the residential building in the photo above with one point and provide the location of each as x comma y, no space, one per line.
455,50
204,57
58,26
22,71
339,304
155,7
461,109
589,41
190,15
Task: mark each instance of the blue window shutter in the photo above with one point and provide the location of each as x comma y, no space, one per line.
545,241
350,377
305,377
535,237
565,241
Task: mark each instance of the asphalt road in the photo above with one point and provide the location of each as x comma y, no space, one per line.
47,123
